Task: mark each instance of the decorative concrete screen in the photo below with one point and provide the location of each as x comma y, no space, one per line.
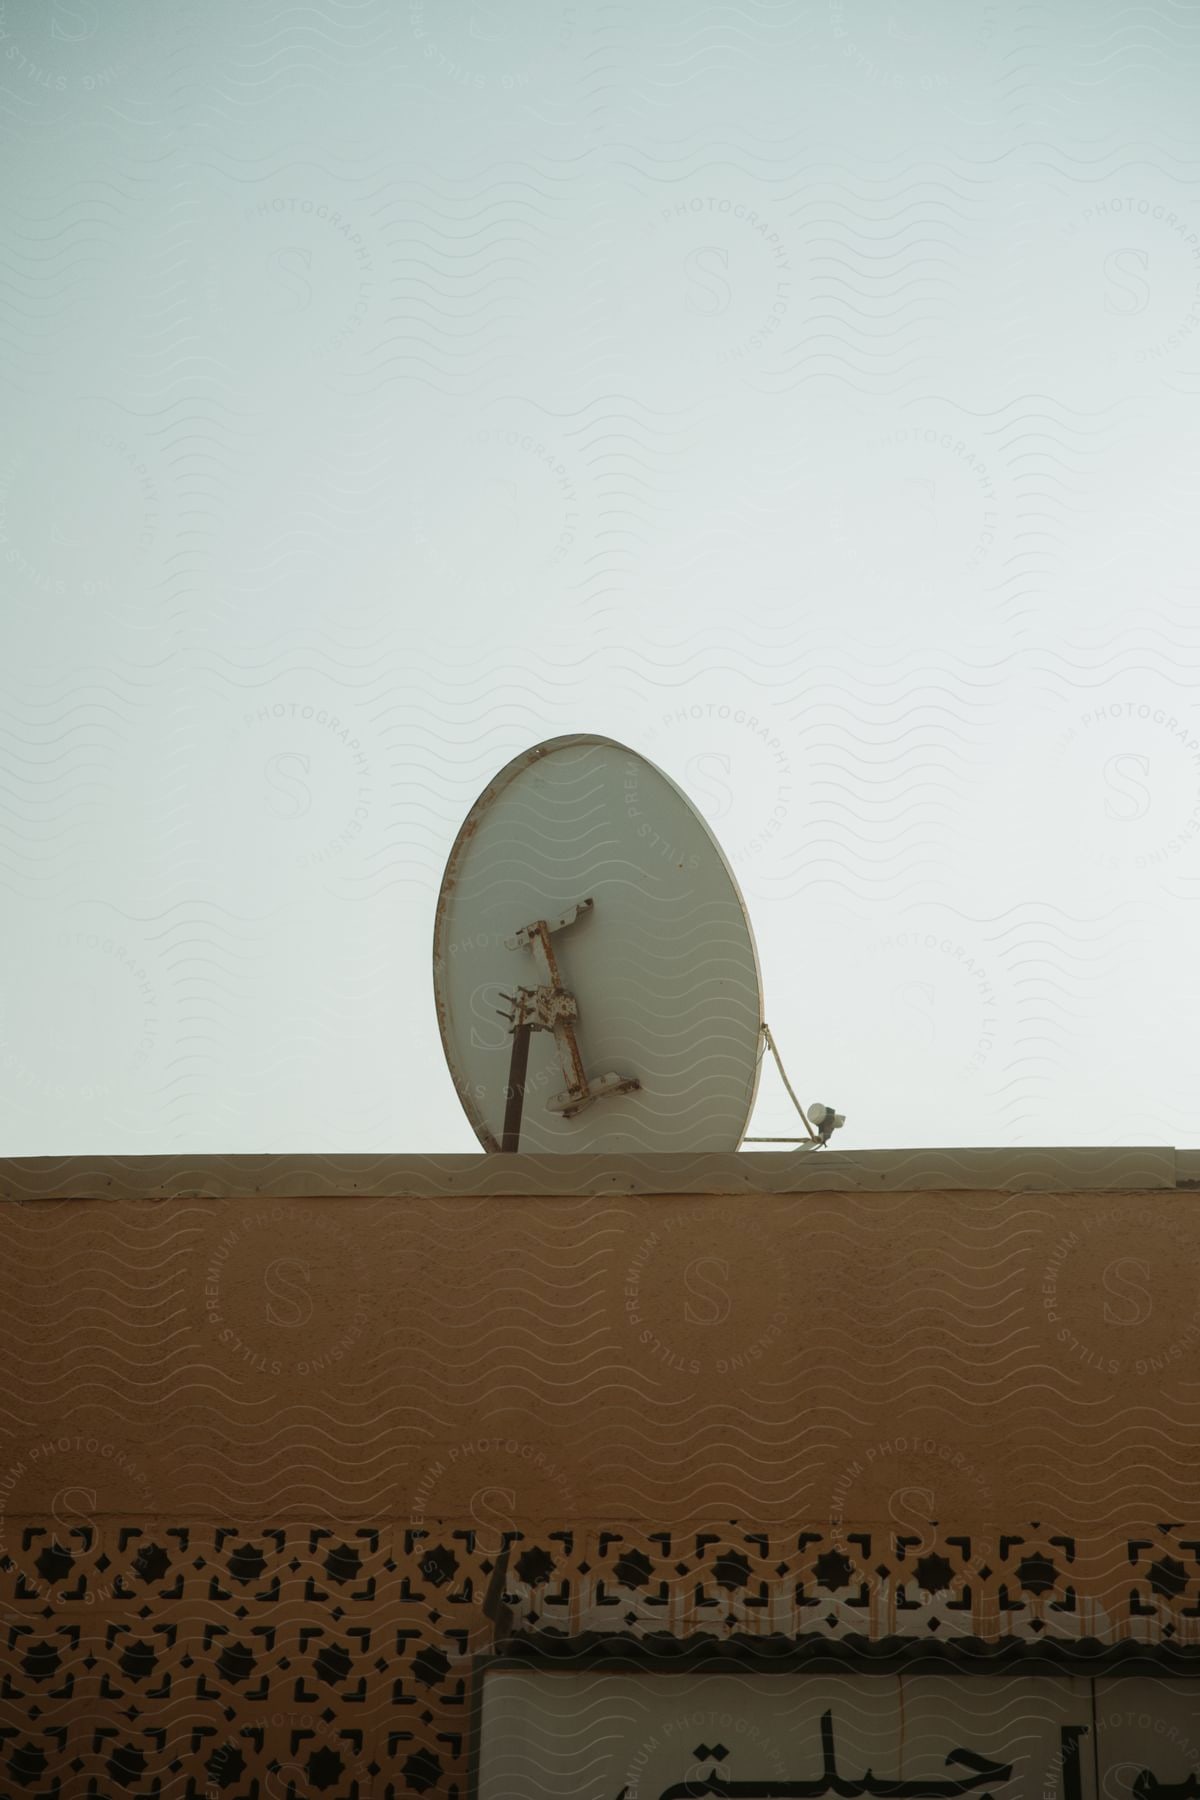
597,1735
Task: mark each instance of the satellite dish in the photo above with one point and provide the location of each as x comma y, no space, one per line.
595,973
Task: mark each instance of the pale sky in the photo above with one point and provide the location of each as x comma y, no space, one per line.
805,395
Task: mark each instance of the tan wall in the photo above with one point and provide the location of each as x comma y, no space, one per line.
984,1357
266,1459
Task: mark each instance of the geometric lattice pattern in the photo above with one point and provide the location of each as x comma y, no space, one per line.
153,1659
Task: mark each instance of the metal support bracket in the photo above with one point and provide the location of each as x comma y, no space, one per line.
549,1007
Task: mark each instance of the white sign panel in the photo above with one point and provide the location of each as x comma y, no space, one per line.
604,1736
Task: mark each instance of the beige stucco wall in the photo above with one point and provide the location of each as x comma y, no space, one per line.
290,1444
904,1356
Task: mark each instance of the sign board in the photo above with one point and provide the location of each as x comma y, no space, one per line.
594,1735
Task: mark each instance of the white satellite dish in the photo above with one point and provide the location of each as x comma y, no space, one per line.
594,968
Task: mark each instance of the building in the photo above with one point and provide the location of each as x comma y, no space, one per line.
511,1475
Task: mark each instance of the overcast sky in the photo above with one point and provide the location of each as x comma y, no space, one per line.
806,394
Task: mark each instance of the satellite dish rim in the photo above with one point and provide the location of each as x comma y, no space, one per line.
525,759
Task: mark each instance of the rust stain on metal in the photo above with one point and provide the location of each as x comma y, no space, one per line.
543,931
